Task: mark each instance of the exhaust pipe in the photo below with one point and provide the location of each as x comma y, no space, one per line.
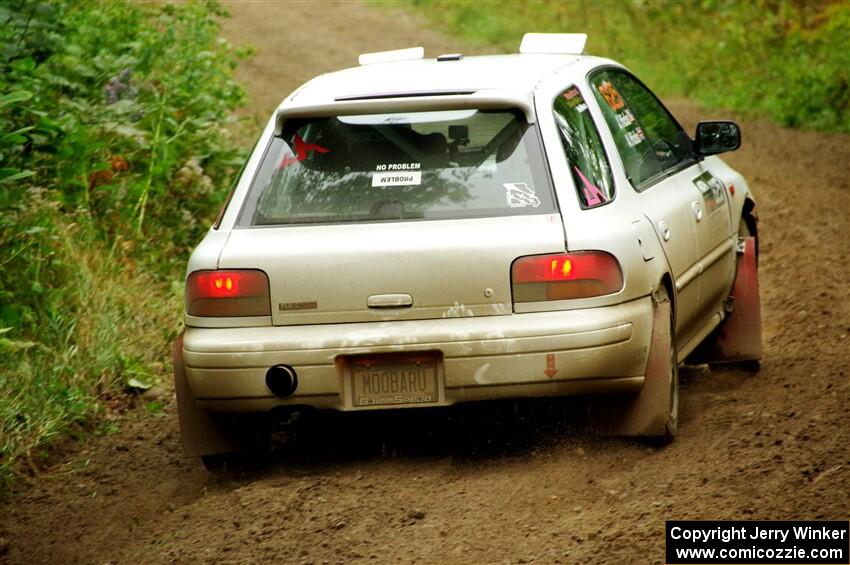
282,380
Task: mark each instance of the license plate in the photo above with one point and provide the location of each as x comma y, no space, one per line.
377,383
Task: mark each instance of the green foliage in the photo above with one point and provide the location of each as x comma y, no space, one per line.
783,58
114,153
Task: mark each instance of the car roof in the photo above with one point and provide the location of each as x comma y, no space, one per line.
518,72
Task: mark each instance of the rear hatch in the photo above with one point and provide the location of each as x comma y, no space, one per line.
396,216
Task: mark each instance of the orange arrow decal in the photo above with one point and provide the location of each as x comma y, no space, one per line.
550,371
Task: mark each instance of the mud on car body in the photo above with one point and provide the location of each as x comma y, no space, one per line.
420,232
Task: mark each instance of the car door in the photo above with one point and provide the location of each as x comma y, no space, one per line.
714,235
658,161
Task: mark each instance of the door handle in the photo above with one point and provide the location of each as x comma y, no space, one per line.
697,208
665,230
389,301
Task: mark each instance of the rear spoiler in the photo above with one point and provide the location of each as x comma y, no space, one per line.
412,102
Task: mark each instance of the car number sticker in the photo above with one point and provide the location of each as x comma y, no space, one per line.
712,190
520,195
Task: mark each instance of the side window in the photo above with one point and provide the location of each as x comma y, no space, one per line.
583,148
648,139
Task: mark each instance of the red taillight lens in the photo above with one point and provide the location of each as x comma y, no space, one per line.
228,293
564,276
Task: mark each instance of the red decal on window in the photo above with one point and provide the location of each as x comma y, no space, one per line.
301,151
592,194
287,160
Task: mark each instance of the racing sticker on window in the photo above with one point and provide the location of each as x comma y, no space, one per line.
520,195
625,118
635,136
301,151
712,191
397,174
611,96
574,99
404,178
399,167
592,195
572,94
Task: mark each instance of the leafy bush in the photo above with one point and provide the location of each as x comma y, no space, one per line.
114,153
786,59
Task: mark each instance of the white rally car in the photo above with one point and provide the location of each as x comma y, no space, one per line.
420,232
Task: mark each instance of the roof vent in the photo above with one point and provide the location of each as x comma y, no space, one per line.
392,56
450,57
560,43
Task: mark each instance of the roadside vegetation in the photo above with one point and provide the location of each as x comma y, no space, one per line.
114,157
789,60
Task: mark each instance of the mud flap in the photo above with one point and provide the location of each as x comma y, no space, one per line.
201,433
647,412
739,337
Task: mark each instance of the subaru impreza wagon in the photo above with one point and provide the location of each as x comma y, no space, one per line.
416,232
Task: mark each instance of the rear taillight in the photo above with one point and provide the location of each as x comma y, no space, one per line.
563,276
228,293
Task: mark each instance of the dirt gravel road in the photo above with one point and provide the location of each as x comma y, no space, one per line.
504,483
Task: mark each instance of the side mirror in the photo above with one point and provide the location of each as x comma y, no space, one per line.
717,137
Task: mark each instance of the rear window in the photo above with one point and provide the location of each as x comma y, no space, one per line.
404,166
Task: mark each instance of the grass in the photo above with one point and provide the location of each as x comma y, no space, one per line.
789,60
114,326
115,153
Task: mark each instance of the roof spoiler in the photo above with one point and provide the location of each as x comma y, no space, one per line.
553,43
392,56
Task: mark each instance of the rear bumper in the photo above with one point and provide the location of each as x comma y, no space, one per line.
598,350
